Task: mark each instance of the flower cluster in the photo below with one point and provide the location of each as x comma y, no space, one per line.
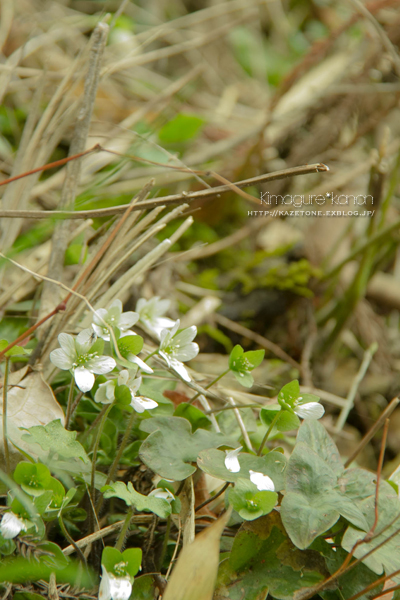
83,355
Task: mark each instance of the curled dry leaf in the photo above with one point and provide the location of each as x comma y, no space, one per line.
196,570
30,401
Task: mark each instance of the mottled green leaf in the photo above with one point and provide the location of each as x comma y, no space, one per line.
314,434
55,439
171,447
313,501
387,557
128,493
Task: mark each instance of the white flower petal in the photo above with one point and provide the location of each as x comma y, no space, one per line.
127,319
67,343
11,526
164,322
163,494
165,356
101,364
180,369
84,379
187,352
104,589
140,404
101,332
185,336
165,338
116,305
231,460
134,384
85,340
100,316
105,393
263,482
120,588
310,410
140,363
123,377
61,360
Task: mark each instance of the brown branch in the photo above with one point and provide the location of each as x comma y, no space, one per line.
167,200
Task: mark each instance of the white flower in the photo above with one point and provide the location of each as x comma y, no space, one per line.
74,355
138,403
163,494
263,482
114,588
105,392
231,460
11,526
150,314
114,317
308,410
177,347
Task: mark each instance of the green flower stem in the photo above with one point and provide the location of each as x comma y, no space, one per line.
70,540
165,543
150,355
5,391
266,436
89,430
122,534
210,385
69,403
95,449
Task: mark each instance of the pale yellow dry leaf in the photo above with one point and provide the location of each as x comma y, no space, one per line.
186,514
30,401
195,573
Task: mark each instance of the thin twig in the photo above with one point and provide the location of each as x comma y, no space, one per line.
344,413
175,550
221,491
259,339
102,533
167,200
370,434
241,425
5,440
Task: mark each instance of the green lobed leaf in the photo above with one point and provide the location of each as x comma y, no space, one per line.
313,501
314,434
128,493
273,464
171,447
387,557
55,439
